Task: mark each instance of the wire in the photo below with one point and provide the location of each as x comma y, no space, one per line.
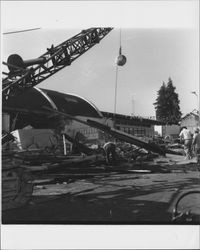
18,31
116,76
120,37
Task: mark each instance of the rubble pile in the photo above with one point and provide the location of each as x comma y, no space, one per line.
176,147
132,153
85,161
128,157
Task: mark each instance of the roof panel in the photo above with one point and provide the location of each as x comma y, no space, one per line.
72,104
36,99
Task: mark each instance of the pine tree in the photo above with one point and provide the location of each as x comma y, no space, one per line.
167,104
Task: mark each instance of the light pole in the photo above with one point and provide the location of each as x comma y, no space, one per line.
198,106
132,105
116,80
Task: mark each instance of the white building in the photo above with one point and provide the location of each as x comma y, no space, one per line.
191,120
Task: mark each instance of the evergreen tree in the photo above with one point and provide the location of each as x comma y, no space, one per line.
167,104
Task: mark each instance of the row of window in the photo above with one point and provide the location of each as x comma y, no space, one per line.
135,123
134,131
88,131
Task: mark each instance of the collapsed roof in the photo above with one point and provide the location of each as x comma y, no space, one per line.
30,107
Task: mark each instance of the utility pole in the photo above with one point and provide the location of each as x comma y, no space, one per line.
132,105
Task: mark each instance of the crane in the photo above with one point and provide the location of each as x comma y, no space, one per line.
23,75
27,74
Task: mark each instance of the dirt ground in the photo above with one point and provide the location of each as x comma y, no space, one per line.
133,196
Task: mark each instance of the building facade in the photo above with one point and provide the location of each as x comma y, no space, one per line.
137,126
191,120
171,131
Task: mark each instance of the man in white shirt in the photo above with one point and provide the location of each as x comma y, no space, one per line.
186,136
196,144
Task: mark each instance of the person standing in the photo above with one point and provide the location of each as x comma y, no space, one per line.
186,137
196,144
110,152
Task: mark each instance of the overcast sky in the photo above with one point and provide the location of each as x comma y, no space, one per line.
160,40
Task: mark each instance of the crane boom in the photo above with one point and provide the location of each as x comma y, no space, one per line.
22,77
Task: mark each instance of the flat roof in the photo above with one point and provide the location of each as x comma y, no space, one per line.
134,119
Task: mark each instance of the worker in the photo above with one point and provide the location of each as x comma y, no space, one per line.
110,152
196,144
186,137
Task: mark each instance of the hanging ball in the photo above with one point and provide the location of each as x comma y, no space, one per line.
15,60
121,60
